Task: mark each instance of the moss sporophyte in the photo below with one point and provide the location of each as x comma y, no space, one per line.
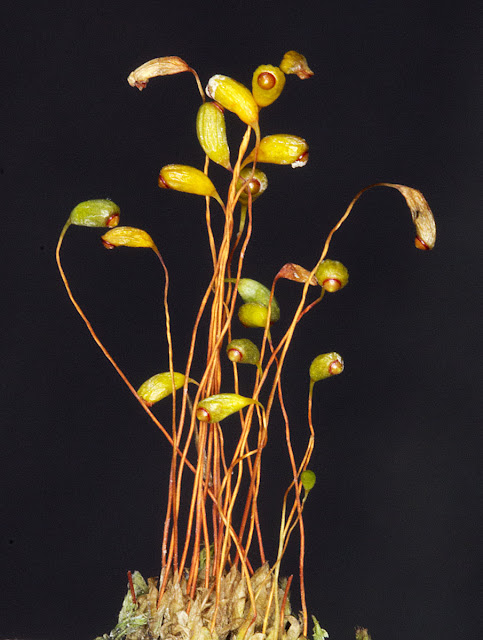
215,580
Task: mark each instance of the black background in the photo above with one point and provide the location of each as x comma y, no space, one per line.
392,524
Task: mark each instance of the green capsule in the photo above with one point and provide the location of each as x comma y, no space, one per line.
160,386
220,406
267,84
243,351
252,314
255,182
211,131
325,366
308,479
95,213
332,275
253,291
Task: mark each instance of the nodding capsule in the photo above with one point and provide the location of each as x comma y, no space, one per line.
203,415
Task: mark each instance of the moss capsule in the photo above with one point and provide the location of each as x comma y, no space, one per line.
332,275
267,84
294,62
243,351
255,182
160,386
235,97
254,291
308,479
325,366
220,406
95,213
211,131
127,237
281,148
181,177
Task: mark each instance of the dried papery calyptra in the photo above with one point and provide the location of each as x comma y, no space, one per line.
267,84
127,237
95,213
211,131
243,351
326,365
421,214
332,275
255,181
220,406
281,148
294,62
296,273
167,66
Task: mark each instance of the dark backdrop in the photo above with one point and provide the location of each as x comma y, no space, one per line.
392,523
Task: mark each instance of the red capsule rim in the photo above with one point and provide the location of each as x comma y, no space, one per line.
113,220
420,244
332,285
202,414
266,80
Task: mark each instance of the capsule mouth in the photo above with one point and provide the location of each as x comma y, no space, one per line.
113,220
202,414
420,244
235,355
301,160
332,285
336,367
266,80
107,244
162,183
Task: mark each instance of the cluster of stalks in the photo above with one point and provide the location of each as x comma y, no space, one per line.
215,579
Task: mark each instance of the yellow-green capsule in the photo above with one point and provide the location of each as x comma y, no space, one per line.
159,386
294,62
255,182
127,237
95,213
182,177
211,131
254,291
332,275
235,97
243,351
267,84
308,479
281,148
326,365
252,314
220,406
